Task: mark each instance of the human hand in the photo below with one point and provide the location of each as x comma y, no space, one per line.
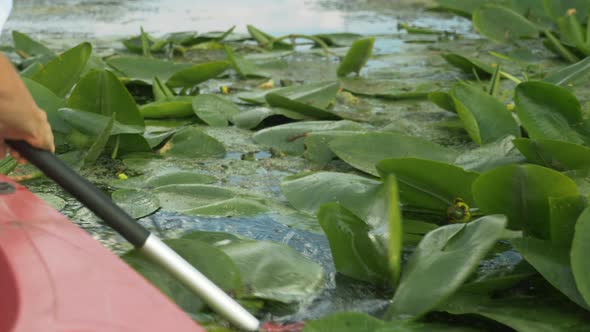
20,117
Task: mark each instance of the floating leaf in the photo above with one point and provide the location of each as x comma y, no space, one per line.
569,75
164,178
170,107
100,143
137,203
553,263
356,57
489,156
214,110
92,123
430,184
559,155
344,322
191,142
161,90
310,100
229,208
183,197
242,66
469,65
101,92
317,150
50,103
502,24
145,69
196,74
580,246
564,211
364,150
521,192
443,100
451,253
339,39
60,74
289,138
549,112
310,191
265,39
461,7
485,118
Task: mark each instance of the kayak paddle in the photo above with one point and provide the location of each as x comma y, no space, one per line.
148,243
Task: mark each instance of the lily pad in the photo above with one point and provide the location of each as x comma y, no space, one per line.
60,74
569,75
192,142
521,192
344,322
357,56
138,203
145,69
26,47
264,39
49,102
100,143
451,253
310,100
502,24
317,150
92,123
184,197
214,110
559,155
230,207
169,107
578,254
196,74
469,65
244,67
364,150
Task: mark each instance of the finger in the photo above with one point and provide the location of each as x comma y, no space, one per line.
18,157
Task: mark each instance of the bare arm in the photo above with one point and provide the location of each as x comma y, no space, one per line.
20,117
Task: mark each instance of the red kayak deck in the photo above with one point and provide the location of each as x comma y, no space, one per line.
54,277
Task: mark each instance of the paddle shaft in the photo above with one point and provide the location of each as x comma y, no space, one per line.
104,208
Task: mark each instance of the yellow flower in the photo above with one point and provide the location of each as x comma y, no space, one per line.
224,89
122,176
510,107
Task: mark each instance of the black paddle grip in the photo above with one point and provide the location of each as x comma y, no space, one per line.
84,191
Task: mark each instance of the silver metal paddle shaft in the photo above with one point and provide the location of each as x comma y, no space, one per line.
216,298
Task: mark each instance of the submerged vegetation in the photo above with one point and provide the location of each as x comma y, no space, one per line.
460,195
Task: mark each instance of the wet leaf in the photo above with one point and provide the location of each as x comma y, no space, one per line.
564,211
356,57
100,143
552,261
451,253
569,75
214,110
164,178
161,90
484,117
184,197
26,47
443,100
461,7
170,107
339,39
429,184
101,92
264,39
191,142
92,123
363,151
317,150
137,203
244,67
49,102
60,74
521,192
469,65
145,69
559,155
307,192
310,100
502,24
489,156
549,112
289,138
580,246
229,208
191,76
344,322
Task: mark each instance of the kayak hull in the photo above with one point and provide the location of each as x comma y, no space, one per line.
54,277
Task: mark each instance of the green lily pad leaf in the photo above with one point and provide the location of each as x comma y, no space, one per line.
430,184
356,57
564,211
364,151
100,143
131,143
214,110
310,100
289,138
164,178
485,118
552,261
191,142
521,192
60,74
91,123
101,92
386,89
161,90
7,165
344,322
569,75
50,103
155,139
339,39
549,112
145,69
461,7
211,261
137,203
264,39
559,155
26,47
136,45
580,246
490,156
317,150
443,100
196,74
469,65
451,253
310,191
523,314
170,107
54,201
184,197
502,24
274,271
244,67
230,208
